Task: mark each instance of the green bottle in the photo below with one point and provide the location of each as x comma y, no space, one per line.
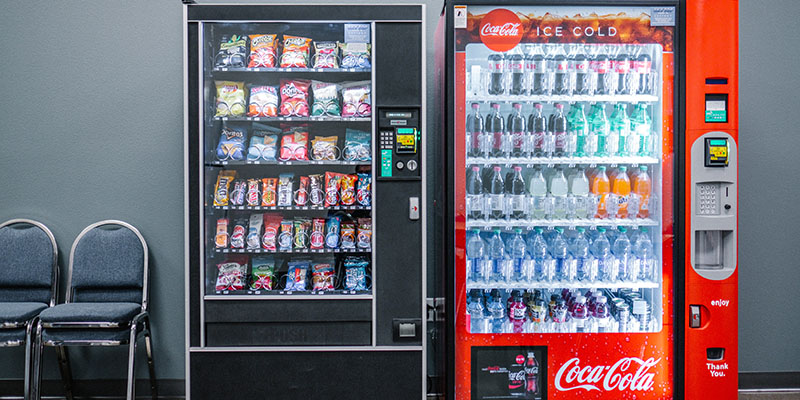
578,129
620,128
599,127
642,127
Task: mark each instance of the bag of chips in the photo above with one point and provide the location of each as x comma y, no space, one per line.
263,275
263,148
301,232
332,180
221,239
317,234
254,232
272,222
222,189
326,99
357,145
232,52
357,99
231,143
347,187
269,192
285,183
230,99
332,227
285,238
294,144
364,190
294,97
231,274
295,52
263,51
348,235
237,237
355,273
355,55
364,237
297,275
322,277
323,148
326,55
301,195
263,101
315,190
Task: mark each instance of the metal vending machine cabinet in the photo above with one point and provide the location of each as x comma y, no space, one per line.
591,199
305,176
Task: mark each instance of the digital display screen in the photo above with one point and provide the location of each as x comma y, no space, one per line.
405,140
716,152
397,114
716,108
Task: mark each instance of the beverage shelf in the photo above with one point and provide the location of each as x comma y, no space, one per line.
324,70
294,251
280,294
627,160
292,162
302,119
530,223
622,98
562,285
292,208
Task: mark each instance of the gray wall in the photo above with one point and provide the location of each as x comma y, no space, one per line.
92,129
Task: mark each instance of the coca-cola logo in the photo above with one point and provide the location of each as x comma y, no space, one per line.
501,30
629,373
520,359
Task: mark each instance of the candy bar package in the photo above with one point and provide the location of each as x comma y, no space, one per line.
263,51
357,145
315,190
263,148
348,235
355,55
285,238
285,183
222,189
317,238
269,192
364,190
355,269
295,52
332,228
231,143
263,273
230,99
301,195
294,97
364,237
272,223
263,102
298,275
347,186
254,232
239,192
294,144
301,233
232,52
231,274
356,97
332,184
253,195
221,238
238,235
322,277
326,55
326,99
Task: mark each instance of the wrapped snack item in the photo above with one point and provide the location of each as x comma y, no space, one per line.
294,97
253,194
285,238
238,193
364,238
263,148
326,55
332,180
357,146
272,222
298,275
322,277
317,234
285,183
294,144
315,190
323,148
332,228
326,99
231,274
231,143
355,55
263,51
269,192
301,233
348,235
357,101
295,52
355,273
263,101
232,52
238,235
222,189
263,274
254,232
230,99
221,239
301,195
347,186
364,190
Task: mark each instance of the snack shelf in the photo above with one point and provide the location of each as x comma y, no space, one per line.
562,285
530,223
278,69
280,294
327,118
525,99
295,251
292,208
571,161
293,162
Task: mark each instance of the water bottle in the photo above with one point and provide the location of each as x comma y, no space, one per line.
586,266
515,188
558,249
537,187
601,249
623,255
476,311
558,191
579,191
517,251
475,199
496,312
645,256
497,252
476,252
537,247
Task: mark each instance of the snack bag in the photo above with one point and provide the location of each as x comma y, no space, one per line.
364,237
222,189
238,235
263,148
263,101
253,194
301,195
272,222
355,55
357,145
230,99
294,144
295,52
332,236
326,99
231,143
315,190
357,100
231,273
317,234
347,184
297,276
221,239
355,273
238,193
269,192
301,229
285,183
294,97
263,51
263,274
326,55
285,238
323,148
254,232
364,190
348,235
232,52
322,277
332,180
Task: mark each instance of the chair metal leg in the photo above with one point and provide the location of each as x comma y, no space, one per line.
66,370
148,343
132,364
29,349
37,363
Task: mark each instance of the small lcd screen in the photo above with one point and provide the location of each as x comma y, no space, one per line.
405,141
716,108
397,114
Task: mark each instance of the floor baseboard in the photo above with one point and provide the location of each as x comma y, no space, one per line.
96,389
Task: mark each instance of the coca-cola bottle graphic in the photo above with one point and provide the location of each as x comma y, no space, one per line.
531,376
496,71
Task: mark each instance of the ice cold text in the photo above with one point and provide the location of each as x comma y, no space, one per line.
577,31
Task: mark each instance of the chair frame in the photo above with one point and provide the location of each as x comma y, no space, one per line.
142,319
30,324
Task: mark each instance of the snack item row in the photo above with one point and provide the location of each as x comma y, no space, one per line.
318,190
301,274
269,51
293,98
274,233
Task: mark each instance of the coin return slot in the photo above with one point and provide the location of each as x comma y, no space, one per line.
715,353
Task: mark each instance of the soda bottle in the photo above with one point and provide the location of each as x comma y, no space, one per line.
645,256
601,66
601,250
599,128
583,83
497,255
620,129
537,187
601,314
475,193
578,129
496,313
538,71
475,131
515,66
476,251
642,188
517,250
538,126
623,255
517,193
580,314
558,249
531,376
476,311
622,66
516,127
560,314
561,70
537,247
496,72
621,188
601,188
579,190
643,65
558,191
516,313
586,268
559,129
641,127
495,127
510,300
496,189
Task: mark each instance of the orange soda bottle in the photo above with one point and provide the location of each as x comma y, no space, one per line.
621,187
600,188
642,188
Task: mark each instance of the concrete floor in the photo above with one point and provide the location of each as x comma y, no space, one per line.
794,395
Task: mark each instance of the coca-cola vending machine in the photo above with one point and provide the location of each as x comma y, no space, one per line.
590,158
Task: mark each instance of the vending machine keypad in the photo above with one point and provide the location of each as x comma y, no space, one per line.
708,201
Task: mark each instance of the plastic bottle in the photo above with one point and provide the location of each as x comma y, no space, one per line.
586,268
579,190
476,311
642,127
475,131
580,314
621,188
601,249
559,129
497,67
578,130
517,251
497,254
623,255
561,72
476,252
515,65
600,128
475,197
643,67
537,124
496,312
516,128
538,72
515,189
558,191
601,66
600,187
495,127
645,256
620,130
537,187
582,74
558,249
642,188
537,247
622,66
496,189
516,313
601,314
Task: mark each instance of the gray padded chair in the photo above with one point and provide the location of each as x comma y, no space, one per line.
28,283
106,301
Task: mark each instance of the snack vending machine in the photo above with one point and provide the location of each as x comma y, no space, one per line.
305,177
591,205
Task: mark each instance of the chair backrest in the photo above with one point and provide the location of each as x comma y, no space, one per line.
108,263
28,262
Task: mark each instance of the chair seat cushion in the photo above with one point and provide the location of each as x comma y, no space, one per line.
12,335
91,312
19,312
84,336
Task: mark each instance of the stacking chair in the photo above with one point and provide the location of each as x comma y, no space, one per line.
106,301
28,283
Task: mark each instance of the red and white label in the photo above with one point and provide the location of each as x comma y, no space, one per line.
501,30
627,374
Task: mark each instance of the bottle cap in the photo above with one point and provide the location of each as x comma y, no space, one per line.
601,230
537,106
476,105
622,229
643,229
580,299
601,168
538,229
496,168
623,168
581,229
517,230
495,105
517,168
497,230
560,229
643,168
516,105
559,106
476,168
476,231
